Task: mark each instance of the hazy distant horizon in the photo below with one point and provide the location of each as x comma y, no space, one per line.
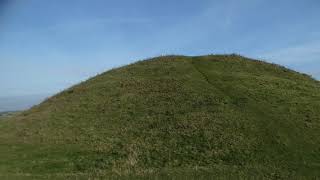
20,103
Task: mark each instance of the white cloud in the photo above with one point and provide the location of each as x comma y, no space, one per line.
304,58
309,52
97,23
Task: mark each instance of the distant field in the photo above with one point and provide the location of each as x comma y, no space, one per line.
4,115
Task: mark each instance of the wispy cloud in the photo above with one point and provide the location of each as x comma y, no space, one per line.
304,58
309,52
98,22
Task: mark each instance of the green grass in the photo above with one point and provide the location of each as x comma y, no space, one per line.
172,117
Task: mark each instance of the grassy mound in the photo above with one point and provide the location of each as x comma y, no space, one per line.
217,115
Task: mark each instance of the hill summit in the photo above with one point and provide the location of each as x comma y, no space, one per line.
216,114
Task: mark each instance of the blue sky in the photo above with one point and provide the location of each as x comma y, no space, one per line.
46,45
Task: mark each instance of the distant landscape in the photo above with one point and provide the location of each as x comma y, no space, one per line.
8,114
18,103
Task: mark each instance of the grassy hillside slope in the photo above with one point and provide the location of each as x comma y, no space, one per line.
219,115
